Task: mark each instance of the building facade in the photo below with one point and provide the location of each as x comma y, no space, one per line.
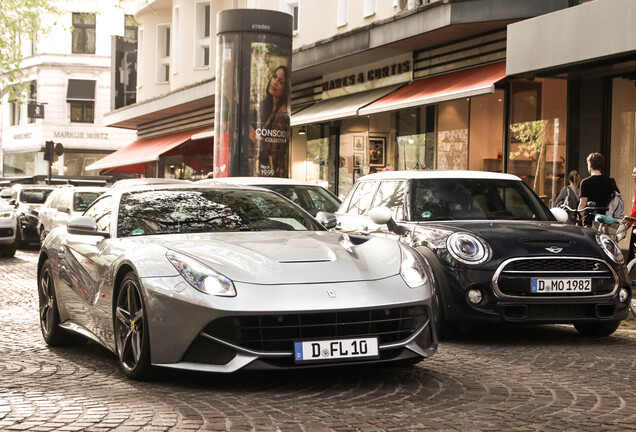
400,84
69,76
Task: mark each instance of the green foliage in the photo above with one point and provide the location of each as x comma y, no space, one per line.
20,22
530,137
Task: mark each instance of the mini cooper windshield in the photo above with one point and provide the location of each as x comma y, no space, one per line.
474,199
197,211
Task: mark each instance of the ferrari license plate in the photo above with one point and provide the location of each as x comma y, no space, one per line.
322,350
560,285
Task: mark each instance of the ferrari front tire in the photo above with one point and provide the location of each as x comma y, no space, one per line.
131,329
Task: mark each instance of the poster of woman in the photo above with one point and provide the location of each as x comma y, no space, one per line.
269,118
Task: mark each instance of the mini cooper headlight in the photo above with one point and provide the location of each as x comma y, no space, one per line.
6,215
200,276
467,248
610,248
412,269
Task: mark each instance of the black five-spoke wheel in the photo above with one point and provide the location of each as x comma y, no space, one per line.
131,330
53,334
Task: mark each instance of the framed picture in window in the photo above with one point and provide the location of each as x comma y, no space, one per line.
357,160
377,151
358,143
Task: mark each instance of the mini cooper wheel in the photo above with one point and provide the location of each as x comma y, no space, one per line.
597,329
131,329
53,334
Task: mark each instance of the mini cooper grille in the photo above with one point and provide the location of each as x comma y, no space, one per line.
278,332
515,278
541,265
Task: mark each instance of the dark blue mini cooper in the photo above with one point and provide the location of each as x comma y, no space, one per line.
497,252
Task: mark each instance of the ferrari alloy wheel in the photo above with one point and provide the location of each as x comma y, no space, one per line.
53,334
131,330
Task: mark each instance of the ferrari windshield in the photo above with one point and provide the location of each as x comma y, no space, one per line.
208,210
474,199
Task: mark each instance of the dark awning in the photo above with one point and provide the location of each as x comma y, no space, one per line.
81,90
453,85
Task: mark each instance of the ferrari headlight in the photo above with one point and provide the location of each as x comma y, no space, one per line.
467,248
7,215
610,248
200,276
412,270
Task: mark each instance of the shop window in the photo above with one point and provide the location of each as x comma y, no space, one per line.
202,35
316,167
485,150
536,141
83,33
623,133
452,135
415,137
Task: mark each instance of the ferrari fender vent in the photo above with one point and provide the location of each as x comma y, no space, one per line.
278,332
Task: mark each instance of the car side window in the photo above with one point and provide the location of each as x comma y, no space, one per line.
100,212
361,198
391,195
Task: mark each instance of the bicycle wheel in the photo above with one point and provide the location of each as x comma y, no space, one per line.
631,268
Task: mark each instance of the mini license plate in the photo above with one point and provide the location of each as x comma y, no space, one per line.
306,351
560,286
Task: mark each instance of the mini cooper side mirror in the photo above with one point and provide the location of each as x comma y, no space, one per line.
560,214
382,215
326,219
83,225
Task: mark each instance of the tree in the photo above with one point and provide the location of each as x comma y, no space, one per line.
532,142
20,21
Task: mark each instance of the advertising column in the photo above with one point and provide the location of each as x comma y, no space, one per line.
252,98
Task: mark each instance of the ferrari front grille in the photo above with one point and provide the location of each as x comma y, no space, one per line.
277,332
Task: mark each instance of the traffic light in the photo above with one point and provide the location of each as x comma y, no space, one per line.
51,148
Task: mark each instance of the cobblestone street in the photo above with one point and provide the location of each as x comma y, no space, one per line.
544,378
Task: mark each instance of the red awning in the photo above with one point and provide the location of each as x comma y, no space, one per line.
140,152
455,85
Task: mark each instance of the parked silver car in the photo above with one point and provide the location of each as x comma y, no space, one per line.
311,197
63,204
8,230
27,200
221,278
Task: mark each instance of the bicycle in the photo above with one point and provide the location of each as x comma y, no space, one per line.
605,224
